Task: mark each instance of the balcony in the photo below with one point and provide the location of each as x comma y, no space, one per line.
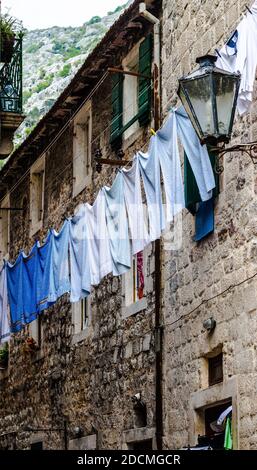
10,98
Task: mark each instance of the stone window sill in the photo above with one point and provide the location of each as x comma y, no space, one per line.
132,138
35,227
81,185
78,337
133,309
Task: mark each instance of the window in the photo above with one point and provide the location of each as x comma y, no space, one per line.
131,95
82,149
36,445
37,181
203,211
134,280
214,434
36,331
141,445
4,228
81,317
215,369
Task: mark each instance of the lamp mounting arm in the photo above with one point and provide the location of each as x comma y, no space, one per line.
249,148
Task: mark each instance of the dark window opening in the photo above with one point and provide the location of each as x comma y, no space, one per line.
141,445
214,435
36,446
215,369
140,414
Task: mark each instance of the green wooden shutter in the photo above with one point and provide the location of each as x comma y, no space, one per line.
117,107
144,86
192,195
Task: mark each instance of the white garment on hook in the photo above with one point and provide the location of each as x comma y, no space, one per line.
197,154
245,59
100,260
117,225
168,154
135,208
79,257
4,313
149,165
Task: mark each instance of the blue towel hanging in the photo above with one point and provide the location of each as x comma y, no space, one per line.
204,219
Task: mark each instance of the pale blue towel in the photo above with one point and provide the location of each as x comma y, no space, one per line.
150,172
79,257
197,155
59,266
117,225
168,153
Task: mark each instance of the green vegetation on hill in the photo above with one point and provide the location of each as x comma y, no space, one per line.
50,58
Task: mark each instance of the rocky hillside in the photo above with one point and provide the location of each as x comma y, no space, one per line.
51,57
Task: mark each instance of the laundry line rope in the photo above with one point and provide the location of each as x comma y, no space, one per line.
21,179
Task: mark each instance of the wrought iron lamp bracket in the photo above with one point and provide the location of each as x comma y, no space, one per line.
250,149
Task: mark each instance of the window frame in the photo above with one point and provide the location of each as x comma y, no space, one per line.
211,372
83,118
37,168
81,332
123,134
129,309
4,254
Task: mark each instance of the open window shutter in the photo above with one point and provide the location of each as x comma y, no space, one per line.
192,195
117,107
144,87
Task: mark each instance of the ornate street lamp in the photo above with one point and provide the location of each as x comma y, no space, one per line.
209,96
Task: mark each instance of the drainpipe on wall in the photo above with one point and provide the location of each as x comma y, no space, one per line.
158,317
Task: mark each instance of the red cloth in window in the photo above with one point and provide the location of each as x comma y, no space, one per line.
140,275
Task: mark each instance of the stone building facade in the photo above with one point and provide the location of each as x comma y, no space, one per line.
93,356
202,270
77,389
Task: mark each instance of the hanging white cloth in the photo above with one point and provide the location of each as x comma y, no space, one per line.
135,208
100,260
79,257
149,165
168,154
244,58
117,225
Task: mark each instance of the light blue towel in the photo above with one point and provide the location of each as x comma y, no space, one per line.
168,154
135,208
22,287
29,284
117,225
150,172
4,317
197,155
15,293
43,272
59,265
79,257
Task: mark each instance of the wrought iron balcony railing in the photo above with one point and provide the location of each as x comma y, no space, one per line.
11,81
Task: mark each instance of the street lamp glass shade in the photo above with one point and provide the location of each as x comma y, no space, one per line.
209,96
225,95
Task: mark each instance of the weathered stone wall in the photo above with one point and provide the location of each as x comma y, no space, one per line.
91,383
199,271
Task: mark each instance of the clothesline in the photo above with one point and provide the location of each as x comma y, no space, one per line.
19,181
97,237
102,238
